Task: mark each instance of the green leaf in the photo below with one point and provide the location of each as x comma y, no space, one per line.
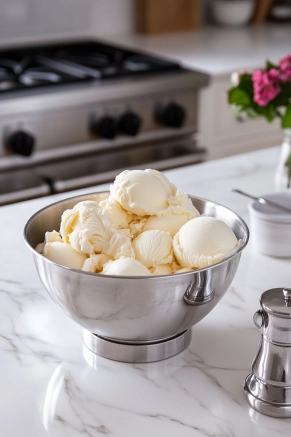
270,114
237,109
270,65
284,97
246,84
239,97
288,165
286,119
246,76
288,161
252,113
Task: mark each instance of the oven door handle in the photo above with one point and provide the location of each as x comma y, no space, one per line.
61,182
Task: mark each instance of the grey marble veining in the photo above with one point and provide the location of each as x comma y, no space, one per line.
51,387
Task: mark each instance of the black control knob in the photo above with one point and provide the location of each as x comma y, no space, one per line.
172,115
130,123
106,127
21,143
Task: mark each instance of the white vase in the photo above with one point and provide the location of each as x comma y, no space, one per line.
283,172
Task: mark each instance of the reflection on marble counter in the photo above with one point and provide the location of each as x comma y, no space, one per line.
49,387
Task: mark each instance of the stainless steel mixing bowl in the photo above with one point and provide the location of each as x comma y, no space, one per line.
134,310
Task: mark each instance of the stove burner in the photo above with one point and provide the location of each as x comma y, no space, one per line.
13,65
3,73
93,59
39,75
7,79
137,63
7,84
110,71
62,64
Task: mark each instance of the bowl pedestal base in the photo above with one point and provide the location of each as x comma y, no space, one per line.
136,352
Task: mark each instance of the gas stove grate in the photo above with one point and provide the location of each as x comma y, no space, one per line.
80,62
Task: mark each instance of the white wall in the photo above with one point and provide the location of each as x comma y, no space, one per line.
51,18
113,17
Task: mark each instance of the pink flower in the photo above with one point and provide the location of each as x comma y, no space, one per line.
266,85
285,69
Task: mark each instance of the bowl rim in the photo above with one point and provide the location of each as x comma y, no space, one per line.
153,277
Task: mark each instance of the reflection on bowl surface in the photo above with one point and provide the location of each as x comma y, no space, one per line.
134,309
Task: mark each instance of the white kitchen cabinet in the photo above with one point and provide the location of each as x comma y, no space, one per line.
222,133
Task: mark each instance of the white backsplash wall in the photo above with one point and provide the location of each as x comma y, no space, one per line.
53,18
113,17
49,19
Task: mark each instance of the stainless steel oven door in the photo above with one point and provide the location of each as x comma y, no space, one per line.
103,167
21,185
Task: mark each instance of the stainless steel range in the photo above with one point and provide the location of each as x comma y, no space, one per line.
75,114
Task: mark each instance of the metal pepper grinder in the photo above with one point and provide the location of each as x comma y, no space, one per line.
268,387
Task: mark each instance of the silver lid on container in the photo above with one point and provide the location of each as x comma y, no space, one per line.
277,302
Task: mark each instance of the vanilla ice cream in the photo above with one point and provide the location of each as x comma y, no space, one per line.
64,254
118,216
49,237
141,192
149,193
170,188
146,226
163,269
180,203
95,263
118,246
83,227
169,223
179,211
203,241
88,228
52,236
125,267
153,248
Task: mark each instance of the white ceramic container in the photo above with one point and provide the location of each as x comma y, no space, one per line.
270,227
232,13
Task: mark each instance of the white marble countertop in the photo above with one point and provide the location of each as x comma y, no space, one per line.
216,50
49,389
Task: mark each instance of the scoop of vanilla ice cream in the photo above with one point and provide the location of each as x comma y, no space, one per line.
180,203
171,189
118,216
49,237
39,248
95,263
88,228
168,223
141,192
125,267
119,246
203,241
153,248
84,227
64,254
163,269
136,226
179,211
